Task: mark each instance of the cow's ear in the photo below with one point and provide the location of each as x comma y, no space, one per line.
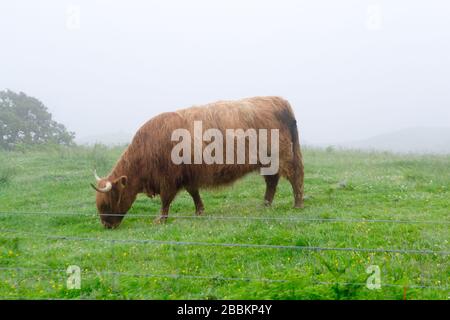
122,181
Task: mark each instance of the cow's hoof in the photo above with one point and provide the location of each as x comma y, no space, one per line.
299,206
267,203
199,212
160,220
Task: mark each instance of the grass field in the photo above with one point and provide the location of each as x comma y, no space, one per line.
45,194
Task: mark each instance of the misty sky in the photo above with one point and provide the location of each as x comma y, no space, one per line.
350,68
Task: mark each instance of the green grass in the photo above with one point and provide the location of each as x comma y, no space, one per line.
339,184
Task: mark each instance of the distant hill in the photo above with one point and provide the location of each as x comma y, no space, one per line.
411,140
109,139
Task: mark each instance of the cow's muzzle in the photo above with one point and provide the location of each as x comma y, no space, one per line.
111,222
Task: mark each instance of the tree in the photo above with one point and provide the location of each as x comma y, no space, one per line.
25,120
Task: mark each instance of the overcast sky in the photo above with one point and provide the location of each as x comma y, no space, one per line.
350,68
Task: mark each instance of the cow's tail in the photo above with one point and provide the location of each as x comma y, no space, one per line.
297,176
298,159
288,118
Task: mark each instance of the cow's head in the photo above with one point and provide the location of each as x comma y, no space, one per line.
113,200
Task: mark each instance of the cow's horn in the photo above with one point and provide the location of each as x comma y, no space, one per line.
96,176
105,189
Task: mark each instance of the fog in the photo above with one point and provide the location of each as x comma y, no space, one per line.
350,68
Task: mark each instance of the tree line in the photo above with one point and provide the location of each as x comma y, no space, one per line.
25,120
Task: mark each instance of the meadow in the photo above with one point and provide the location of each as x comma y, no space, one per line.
362,209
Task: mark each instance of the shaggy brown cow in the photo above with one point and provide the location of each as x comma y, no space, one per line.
146,165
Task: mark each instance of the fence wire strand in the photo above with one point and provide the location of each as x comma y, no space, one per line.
214,277
241,218
229,245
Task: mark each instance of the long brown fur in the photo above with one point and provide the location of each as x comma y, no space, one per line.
146,165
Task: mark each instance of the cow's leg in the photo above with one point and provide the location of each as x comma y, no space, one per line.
271,187
167,194
296,177
199,208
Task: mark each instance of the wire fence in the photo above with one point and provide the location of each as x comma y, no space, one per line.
240,218
220,244
211,277
26,271
147,275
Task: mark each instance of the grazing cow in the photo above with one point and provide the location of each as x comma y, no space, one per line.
148,166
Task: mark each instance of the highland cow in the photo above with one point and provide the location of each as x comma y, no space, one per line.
148,165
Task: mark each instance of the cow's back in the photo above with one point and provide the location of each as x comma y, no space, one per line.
153,139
